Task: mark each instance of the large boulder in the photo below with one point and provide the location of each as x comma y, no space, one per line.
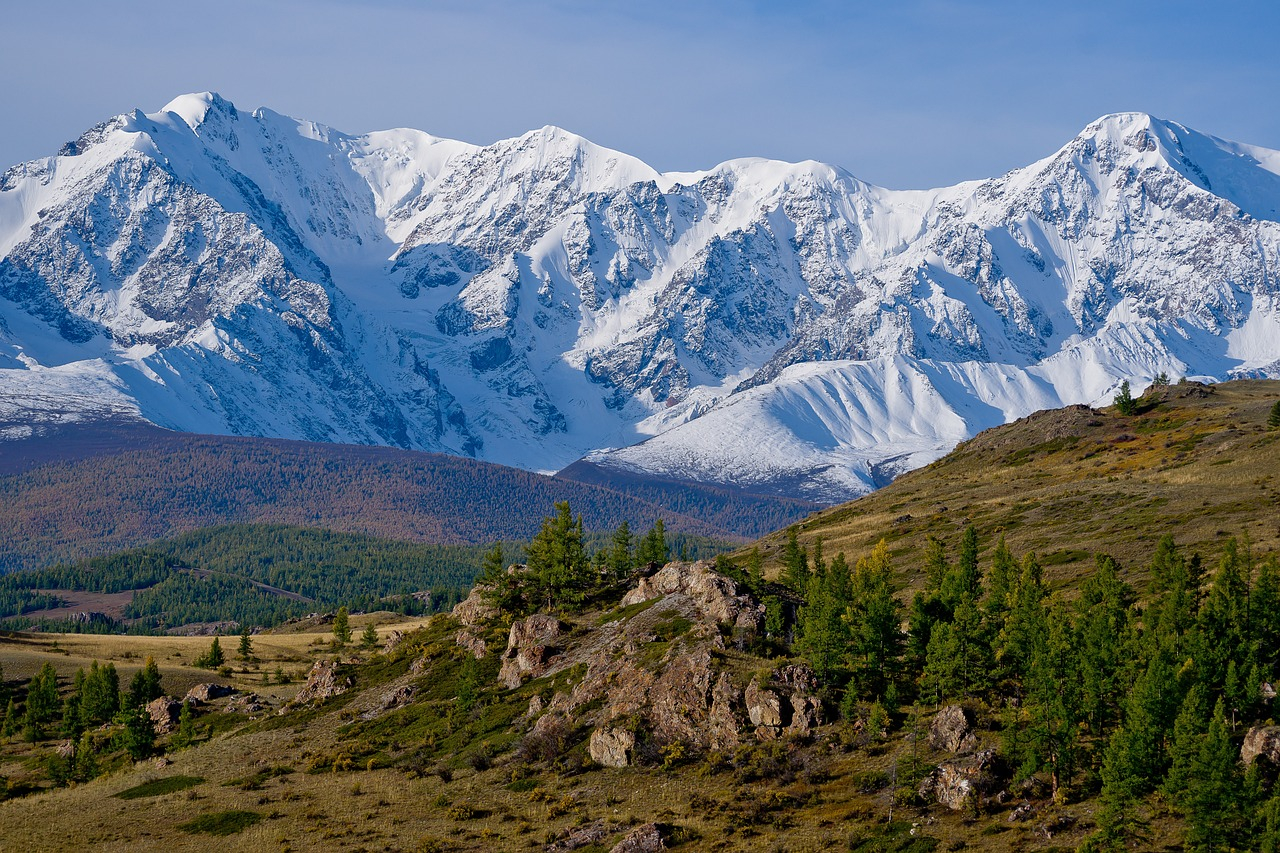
532,642
764,709
952,730
472,642
612,747
1261,742
960,783
164,713
790,703
323,682
643,839
207,692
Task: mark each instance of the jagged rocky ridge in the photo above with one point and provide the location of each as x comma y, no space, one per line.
778,327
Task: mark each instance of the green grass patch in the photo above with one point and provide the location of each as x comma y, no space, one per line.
156,787
221,823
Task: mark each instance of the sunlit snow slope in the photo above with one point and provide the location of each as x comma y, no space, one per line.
779,327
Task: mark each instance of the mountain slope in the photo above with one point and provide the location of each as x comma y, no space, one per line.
84,490
1197,462
763,325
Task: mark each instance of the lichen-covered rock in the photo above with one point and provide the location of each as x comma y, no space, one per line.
959,783
612,747
249,703
532,642
806,708
577,837
952,731
208,692
1261,742
682,704
475,609
472,642
393,640
715,595
390,700
323,682
164,713
643,839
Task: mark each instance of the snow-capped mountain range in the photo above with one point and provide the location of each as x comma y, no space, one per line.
782,327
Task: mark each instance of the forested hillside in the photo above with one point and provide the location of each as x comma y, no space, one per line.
86,490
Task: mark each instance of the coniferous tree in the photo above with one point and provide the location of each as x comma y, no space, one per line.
1103,628
342,626
369,639
755,570
1273,419
824,636
86,760
1184,746
1000,583
873,620
622,546
246,643
795,561
1025,624
1124,402
652,549
99,695
1215,801
1052,703
145,685
185,734
139,735
558,565
42,701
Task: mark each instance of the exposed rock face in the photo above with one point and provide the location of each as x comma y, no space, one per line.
164,713
612,747
642,839
208,692
715,595
799,712
392,699
531,644
323,682
952,731
472,642
475,609
959,783
1261,742
687,703
581,836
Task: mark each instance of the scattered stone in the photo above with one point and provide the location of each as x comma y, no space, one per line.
534,709
1261,741
207,692
642,839
323,682
531,644
952,730
612,747
392,699
248,703
1024,812
66,750
959,783
164,713
1267,691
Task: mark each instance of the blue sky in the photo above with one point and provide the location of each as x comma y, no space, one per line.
907,94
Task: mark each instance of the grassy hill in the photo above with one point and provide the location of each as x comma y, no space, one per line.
1196,462
85,490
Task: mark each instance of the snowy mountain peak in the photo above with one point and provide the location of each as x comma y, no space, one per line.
767,325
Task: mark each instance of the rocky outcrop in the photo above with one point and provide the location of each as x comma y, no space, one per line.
475,609
1261,742
612,747
688,703
715,595
952,730
960,783
203,693
581,836
531,644
164,713
249,703
790,704
393,639
643,839
323,682
472,642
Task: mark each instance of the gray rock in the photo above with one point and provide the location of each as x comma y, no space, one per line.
643,839
952,731
612,747
1261,742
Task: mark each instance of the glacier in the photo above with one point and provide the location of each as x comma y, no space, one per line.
777,327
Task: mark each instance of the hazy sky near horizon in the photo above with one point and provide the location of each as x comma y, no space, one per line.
910,94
